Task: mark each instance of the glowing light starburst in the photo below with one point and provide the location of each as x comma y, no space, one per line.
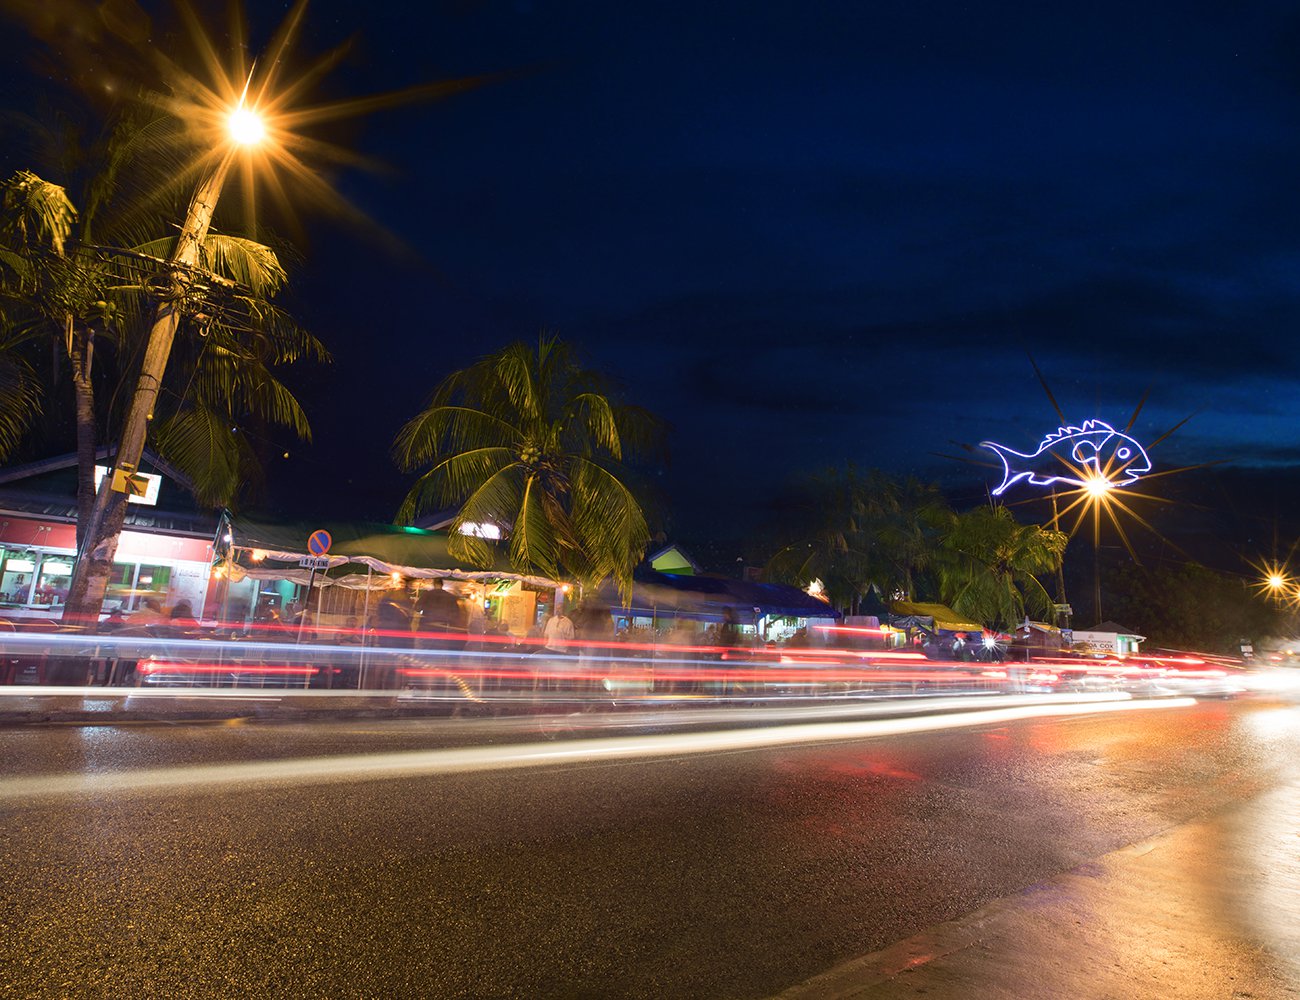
234,111
1275,581
246,126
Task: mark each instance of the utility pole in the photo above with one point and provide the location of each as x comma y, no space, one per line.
99,538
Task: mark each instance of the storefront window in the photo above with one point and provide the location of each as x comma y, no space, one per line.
52,584
120,587
153,581
16,575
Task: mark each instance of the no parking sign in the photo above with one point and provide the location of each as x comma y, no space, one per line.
319,543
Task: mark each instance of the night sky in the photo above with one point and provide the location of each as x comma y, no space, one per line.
808,234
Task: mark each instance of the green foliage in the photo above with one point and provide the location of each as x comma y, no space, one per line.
36,213
529,440
856,531
990,563
55,286
1194,608
20,397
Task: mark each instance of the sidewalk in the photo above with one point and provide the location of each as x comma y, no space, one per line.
1206,910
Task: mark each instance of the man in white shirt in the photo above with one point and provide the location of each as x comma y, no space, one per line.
558,632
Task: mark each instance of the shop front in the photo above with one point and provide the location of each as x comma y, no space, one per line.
37,557
265,574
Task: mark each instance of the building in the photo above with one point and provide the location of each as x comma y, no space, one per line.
767,611
1110,638
1040,637
267,572
165,550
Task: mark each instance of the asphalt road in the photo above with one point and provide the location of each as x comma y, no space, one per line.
674,872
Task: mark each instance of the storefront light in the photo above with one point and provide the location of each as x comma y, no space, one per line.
20,566
56,569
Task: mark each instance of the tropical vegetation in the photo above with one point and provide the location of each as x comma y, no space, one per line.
530,441
989,565
859,533
81,283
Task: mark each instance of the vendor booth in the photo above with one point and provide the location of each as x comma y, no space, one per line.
268,572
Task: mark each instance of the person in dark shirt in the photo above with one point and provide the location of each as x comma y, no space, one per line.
182,616
439,610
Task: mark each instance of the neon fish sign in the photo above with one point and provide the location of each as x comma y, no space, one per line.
1079,456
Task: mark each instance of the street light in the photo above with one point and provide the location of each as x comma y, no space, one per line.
225,119
246,126
100,537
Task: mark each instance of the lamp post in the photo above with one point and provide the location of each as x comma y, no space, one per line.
101,536
1098,489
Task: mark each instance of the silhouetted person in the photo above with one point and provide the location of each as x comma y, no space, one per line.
182,616
439,610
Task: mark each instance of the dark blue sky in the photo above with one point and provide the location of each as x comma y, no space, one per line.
817,233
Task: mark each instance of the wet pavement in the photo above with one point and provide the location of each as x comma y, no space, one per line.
1127,855
1206,910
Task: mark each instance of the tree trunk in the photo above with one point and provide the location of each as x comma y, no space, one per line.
81,348
104,528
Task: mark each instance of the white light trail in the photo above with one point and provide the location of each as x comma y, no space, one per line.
460,760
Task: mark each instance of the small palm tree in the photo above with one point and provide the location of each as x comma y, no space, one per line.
990,565
529,440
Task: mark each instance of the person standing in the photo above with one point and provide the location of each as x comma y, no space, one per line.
558,633
557,637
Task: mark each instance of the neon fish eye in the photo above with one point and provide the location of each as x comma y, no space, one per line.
1124,453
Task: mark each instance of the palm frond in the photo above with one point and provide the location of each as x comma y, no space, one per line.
532,540
37,213
199,441
500,492
20,400
456,478
594,416
440,430
609,523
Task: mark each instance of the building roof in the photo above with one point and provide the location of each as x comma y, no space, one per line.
150,459
944,617
667,554
707,598
385,547
1112,628
48,489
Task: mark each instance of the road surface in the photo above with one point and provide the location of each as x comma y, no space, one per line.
842,867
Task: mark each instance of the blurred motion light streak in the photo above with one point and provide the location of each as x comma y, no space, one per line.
418,763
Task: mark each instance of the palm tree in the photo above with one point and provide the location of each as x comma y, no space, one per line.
529,440
56,285
990,565
913,518
839,529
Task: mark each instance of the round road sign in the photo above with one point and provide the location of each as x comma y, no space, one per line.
319,542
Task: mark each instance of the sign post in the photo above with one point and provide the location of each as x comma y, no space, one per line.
318,544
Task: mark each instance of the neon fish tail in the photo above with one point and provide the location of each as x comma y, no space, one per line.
1008,476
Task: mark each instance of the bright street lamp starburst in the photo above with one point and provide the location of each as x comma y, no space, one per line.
246,126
